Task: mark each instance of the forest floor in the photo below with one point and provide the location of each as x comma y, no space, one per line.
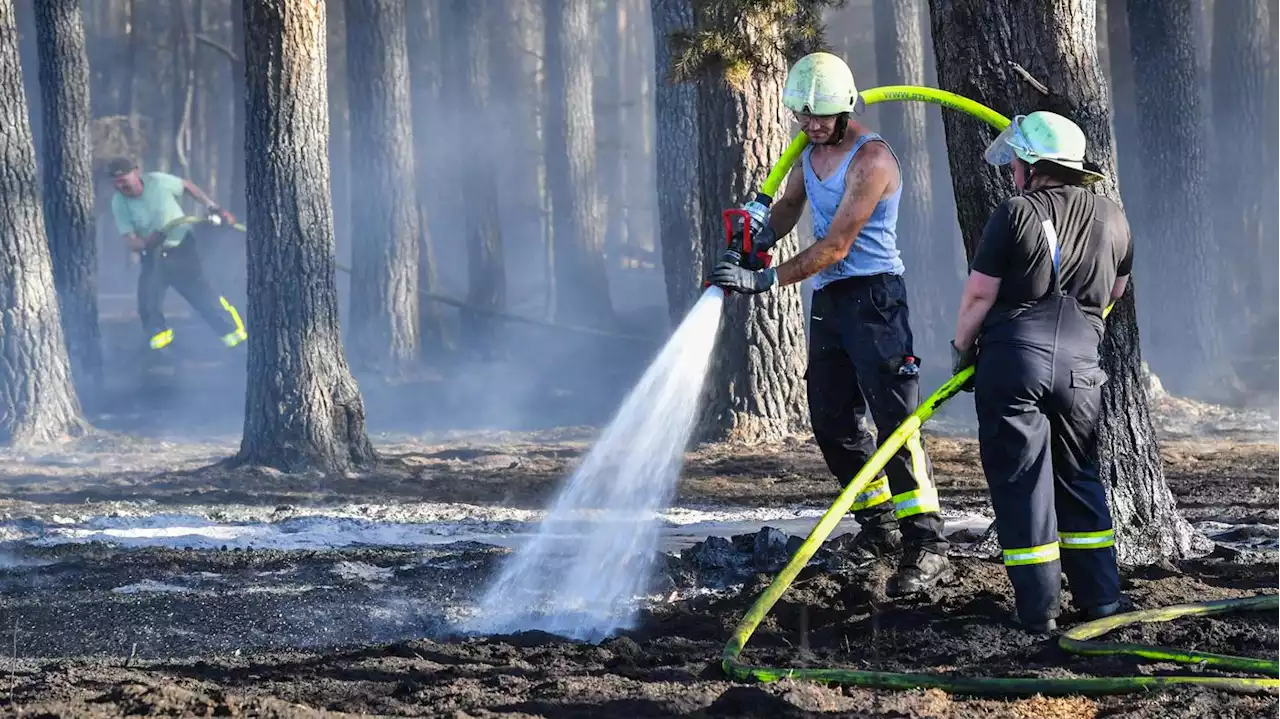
138,577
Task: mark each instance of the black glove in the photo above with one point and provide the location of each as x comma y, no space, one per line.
764,240
962,360
739,279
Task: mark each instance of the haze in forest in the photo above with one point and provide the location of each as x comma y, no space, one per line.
1206,247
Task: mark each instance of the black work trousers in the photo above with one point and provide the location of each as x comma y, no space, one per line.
179,267
1038,395
859,339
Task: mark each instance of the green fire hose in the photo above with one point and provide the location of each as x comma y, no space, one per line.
1077,640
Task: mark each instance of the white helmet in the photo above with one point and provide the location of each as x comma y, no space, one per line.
821,84
1043,136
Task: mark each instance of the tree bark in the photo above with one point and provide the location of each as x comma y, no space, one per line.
1125,114
680,215
582,286
1183,342
977,42
236,198
1244,125
68,184
927,253
384,279
756,388
425,69
486,266
38,402
303,410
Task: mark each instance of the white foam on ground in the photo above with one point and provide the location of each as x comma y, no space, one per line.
355,525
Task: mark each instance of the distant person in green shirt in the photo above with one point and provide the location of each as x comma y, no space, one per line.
148,214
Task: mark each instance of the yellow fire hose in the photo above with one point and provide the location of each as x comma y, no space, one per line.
1076,640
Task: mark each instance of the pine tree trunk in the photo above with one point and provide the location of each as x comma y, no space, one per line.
926,252
68,184
425,69
756,387
1056,43
1183,342
38,401
339,130
383,330
680,215
1125,115
1245,129
486,266
303,410
236,198
582,287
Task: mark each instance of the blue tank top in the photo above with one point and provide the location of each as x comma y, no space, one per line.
875,250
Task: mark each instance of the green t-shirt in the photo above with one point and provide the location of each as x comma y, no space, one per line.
157,206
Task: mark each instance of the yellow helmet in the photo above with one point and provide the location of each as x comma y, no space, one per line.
821,84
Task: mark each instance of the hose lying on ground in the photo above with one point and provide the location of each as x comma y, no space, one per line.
1076,640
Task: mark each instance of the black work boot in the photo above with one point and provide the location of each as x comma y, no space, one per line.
919,570
1046,625
873,541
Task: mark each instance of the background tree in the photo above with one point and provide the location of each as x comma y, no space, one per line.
978,55
40,403
383,332
303,410
425,69
68,183
1243,193
680,215
1184,342
582,287
739,51
478,198
925,250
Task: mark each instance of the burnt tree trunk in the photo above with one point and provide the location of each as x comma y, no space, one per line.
927,253
1183,342
1244,125
582,286
425,69
756,388
680,215
303,410
1056,43
68,184
486,266
38,401
383,330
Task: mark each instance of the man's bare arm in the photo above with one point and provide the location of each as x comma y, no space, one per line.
871,175
787,209
133,242
197,193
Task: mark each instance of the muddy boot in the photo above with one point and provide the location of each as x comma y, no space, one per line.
875,540
919,570
1041,626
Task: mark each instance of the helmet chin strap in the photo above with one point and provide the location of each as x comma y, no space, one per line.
842,126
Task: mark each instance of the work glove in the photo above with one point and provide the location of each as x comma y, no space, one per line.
961,360
733,278
226,217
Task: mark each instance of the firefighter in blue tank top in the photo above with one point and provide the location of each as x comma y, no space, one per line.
860,346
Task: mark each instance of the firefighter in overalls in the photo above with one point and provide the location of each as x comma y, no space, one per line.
1050,261
150,220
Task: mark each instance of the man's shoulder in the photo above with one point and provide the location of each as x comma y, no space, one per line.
163,178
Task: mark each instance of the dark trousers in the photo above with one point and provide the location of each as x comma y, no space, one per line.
1038,394
859,337
179,268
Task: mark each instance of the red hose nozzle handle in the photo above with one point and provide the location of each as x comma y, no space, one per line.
745,216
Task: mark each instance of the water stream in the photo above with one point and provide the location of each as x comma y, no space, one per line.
580,579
